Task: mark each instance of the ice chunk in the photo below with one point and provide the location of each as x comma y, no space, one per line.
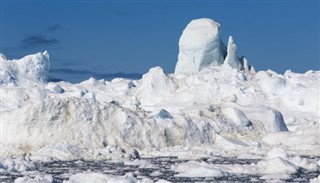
60,151
198,169
315,180
273,84
276,122
16,165
270,119
228,143
236,116
88,177
307,140
40,178
6,76
134,154
100,178
162,114
277,152
279,165
232,98
248,69
155,87
199,46
232,59
55,88
34,67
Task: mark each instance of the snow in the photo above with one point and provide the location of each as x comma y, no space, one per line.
210,106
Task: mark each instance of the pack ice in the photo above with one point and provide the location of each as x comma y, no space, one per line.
214,101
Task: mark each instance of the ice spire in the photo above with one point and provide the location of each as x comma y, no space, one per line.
232,59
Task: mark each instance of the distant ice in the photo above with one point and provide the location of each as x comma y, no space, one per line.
33,67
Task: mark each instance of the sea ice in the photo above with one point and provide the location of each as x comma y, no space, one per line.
41,178
198,169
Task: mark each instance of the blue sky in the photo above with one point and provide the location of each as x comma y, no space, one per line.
101,37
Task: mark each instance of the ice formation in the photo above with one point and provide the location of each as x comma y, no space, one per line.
32,67
204,108
232,59
200,46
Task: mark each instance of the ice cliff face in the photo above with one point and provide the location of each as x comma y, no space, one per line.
159,110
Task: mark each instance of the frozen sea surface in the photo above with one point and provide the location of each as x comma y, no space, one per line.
159,168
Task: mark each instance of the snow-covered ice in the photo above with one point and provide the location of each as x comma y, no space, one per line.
215,104
33,67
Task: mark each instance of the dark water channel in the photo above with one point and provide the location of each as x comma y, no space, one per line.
62,170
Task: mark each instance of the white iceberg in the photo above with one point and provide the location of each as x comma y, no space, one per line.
33,67
200,46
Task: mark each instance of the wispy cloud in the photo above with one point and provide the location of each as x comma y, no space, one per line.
38,40
55,28
87,73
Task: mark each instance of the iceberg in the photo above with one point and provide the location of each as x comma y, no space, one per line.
200,46
33,67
